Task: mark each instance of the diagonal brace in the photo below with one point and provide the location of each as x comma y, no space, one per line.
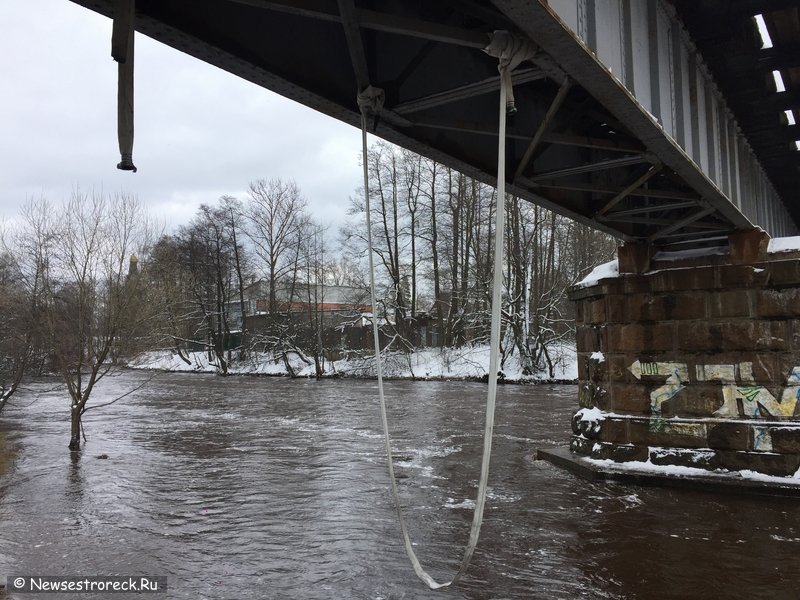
555,105
355,44
681,224
646,176
602,165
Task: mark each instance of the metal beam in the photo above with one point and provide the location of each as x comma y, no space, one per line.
484,13
693,237
413,64
777,59
463,92
640,181
598,189
472,128
751,8
312,9
540,23
354,43
612,163
558,139
681,224
652,208
792,132
425,30
788,100
378,21
654,221
786,133
555,105
392,128
567,139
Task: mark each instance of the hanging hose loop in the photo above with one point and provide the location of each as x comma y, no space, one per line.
511,50
370,101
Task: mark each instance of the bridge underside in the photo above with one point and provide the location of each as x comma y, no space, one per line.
605,163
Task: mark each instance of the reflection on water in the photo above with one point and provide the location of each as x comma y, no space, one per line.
6,454
269,488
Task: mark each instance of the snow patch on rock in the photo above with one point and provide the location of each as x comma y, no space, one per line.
607,270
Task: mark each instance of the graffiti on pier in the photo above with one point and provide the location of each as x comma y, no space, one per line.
756,400
677,375
740,395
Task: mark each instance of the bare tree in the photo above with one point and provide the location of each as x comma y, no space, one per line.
231,211
314,263
23,263
344,270
175,321
276,214
91,301
430,190
206,251
411,165
16,331
434,225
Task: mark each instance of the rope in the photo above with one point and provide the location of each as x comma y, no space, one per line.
370,101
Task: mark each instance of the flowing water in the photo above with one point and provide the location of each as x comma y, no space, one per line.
238,488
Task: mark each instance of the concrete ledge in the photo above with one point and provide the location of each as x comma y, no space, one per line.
727,482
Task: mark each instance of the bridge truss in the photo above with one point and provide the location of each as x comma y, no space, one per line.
621,123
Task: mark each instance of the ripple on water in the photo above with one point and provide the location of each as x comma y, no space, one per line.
258,488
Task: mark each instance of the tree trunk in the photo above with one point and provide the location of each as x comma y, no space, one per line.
288,365
75,429
437,288
240,279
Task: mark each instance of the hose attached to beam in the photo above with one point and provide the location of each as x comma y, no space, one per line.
370,102
122,52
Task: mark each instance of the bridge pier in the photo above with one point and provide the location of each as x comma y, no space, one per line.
693,360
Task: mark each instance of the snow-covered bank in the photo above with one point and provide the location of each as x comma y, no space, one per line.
470,363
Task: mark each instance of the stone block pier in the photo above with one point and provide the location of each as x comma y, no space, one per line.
693,360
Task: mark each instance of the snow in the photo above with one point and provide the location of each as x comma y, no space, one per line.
598,356
681,471
610,269
605,271
469,362
785,244
674,255
591,414
648,467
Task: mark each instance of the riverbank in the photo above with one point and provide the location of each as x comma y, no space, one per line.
470,363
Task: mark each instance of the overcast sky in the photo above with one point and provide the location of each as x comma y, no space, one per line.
200,132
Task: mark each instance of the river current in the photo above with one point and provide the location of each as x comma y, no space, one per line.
243,487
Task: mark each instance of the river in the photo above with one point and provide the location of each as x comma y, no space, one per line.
244,487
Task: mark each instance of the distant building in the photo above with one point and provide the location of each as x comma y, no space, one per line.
339,304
